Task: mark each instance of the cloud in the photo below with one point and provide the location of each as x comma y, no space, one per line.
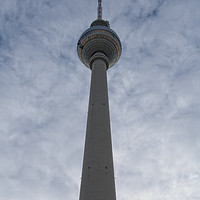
153,92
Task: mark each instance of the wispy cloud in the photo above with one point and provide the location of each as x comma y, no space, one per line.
153,91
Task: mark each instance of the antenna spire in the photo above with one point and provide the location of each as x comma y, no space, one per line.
99,9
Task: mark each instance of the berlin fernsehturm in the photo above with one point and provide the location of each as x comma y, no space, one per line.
99,48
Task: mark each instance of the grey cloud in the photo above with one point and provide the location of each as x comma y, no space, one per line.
153,90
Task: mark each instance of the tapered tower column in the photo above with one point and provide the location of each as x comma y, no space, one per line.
98,48
98,175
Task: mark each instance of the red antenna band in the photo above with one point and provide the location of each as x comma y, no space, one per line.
99,9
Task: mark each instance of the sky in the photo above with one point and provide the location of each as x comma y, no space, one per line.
154,93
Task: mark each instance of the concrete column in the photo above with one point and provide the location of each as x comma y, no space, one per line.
97,181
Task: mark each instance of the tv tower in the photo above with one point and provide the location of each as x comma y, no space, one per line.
99,48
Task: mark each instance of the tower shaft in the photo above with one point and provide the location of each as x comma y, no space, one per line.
97,181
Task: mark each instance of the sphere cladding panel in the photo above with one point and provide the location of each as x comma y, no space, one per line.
99,45
99,39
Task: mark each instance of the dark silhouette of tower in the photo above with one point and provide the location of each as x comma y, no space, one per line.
99,48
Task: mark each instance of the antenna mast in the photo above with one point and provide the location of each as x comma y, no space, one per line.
99,9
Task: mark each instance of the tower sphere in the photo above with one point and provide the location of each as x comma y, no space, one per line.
99,38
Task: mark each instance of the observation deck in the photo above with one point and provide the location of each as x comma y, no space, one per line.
99,38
